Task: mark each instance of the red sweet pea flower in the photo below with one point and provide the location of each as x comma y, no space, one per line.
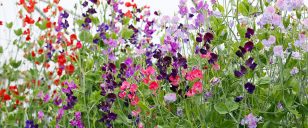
4,96
61,59
69,69
14,89
128,14
2,92
28,20
153,86
128,4
79,45
29,8
59,72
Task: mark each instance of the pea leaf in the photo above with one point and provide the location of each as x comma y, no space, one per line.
18,32
9,25
85,36
127,33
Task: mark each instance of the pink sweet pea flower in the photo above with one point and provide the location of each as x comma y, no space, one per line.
148,71
133,88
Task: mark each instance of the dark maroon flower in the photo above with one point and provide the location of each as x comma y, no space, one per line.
240,73
30,124
213,58
190,15
85,4
250,87
248,46
64,14
239,53
238,98
87,20
208,37
111,97
199,38
91,11
203,51
94,1
251,64
250,32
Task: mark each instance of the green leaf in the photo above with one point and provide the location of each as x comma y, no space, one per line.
231,104
41,42
9,25
127,33
220,8
143,106
18,32
42,25
264,81
85,36
221,108
14,63
94,20
1,49
126,20
95,96
227,106
243,9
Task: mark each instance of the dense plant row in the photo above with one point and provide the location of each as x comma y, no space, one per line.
113,63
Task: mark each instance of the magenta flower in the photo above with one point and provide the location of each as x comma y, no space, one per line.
46,98
40,114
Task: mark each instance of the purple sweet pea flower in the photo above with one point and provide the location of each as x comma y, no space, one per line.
278,51
40,114
169,98
250,120
294,71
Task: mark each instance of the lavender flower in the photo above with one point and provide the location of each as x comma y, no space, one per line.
250,120
294,71
278,51
179,111
267,43
169,98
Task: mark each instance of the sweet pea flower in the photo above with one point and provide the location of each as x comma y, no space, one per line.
250,120
294,71
169,98
278,51
40,114
269,42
